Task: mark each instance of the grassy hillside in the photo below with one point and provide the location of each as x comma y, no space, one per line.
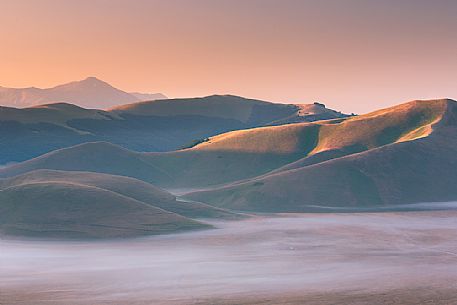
153,126
418,165
405,122
236,155
249,153
400,123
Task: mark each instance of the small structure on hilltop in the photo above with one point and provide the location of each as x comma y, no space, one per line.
319,104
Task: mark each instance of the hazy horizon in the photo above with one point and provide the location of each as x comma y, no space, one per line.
354,56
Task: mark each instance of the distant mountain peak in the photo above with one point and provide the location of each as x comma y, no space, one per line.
94,80
88,82
90,92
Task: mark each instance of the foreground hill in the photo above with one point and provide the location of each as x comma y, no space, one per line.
125,186
64,210
81,205
246,154
163,125
90,92
398,166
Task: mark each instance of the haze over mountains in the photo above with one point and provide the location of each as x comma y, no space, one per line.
90,93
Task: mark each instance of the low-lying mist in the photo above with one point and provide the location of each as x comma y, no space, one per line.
261,255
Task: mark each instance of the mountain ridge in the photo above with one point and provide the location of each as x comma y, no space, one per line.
152,126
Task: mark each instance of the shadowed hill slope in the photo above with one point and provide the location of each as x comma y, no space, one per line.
129,187
417,166
60,204
65,210
57,114
152,126
93,157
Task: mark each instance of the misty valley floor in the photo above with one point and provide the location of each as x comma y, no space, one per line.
352,258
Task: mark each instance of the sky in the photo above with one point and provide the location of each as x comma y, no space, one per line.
352,55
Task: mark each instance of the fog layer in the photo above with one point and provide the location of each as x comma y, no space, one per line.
304,253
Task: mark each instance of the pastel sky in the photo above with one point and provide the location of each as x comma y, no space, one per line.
353,55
